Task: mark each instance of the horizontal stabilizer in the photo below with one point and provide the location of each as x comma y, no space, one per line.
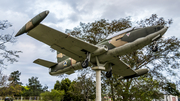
45,63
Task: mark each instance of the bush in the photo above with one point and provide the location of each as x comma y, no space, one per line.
54,95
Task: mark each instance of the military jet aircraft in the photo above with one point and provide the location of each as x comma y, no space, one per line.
74,54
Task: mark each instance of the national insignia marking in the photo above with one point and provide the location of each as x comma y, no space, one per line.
65,63
128,34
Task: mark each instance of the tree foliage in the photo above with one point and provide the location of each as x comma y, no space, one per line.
14,78
154,20
34,86
7,55
170,89
84,86
12,88
96,31
57,85
64,86
54,95
3,79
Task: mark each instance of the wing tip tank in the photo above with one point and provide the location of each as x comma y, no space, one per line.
32,23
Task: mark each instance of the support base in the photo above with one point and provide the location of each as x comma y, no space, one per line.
98,81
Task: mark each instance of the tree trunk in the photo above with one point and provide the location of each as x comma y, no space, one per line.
112,91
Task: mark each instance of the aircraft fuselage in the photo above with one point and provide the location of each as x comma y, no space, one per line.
118,45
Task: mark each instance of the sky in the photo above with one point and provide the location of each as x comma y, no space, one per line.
67,14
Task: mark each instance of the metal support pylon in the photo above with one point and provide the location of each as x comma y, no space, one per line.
98,70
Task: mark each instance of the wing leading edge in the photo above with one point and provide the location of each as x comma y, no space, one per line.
72,47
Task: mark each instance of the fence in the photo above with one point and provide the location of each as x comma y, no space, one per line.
21,98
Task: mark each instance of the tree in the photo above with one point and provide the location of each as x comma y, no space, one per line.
57,85
3,79
74,92
6,54
25,91
166,59
154,21
35,88
10,89
63,85
96,31
14,78
3,83
84,86
170,88
54,95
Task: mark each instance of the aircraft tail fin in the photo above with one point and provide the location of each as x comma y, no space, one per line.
45,63
61,57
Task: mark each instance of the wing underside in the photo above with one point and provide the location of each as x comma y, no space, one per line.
121,68
66,44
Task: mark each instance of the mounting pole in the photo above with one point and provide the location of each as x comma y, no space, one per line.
98,69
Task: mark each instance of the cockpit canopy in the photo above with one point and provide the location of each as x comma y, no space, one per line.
121,32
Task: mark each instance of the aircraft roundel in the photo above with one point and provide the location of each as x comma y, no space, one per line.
65,63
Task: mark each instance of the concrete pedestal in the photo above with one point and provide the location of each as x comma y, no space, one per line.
98,81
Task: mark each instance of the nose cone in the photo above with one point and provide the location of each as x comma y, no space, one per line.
32,23
164,29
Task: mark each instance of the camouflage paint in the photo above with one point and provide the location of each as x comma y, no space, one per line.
131,36
141,32
29,25
63,61
61,57
114,42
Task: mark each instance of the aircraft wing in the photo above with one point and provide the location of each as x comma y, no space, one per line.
66,44
121,68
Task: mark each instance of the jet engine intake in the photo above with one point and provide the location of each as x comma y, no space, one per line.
101,50
139,72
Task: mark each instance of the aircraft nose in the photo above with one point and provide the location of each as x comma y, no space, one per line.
166,27
164,30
